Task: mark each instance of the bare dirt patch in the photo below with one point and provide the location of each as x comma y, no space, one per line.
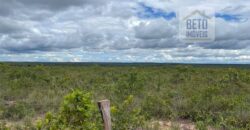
175,125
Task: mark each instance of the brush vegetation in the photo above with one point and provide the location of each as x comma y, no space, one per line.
65,96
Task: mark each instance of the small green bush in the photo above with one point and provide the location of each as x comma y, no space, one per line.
156,106
77,112
126,116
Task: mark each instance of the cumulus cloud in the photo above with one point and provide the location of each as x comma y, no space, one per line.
8,26
39,27
59,4
155,29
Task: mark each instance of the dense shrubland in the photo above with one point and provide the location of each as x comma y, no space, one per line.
37,96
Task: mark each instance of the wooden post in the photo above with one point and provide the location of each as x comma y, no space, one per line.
104,107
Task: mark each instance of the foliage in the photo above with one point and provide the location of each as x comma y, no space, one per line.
208,95
77,112
3,126
156,106
126,116
17,111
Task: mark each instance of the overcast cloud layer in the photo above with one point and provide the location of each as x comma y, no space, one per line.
118,31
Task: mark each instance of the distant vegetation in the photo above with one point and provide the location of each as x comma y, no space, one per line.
38,96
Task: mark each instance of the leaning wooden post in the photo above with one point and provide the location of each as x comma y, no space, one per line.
104,107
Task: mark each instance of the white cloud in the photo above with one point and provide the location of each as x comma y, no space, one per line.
37,28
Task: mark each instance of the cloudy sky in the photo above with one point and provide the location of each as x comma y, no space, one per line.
119,31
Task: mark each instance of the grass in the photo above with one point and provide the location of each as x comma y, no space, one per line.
217,96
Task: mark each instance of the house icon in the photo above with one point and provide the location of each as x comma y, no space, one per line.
197,12
197,25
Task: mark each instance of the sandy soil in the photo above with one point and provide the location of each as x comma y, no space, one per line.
175,125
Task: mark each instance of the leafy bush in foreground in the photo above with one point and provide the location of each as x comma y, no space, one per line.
77,112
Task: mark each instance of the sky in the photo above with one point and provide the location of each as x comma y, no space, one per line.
119,31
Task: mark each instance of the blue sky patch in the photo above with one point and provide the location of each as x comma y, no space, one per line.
150,12
230,17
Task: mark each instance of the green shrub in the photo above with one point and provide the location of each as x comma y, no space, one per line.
156,106
126,116
77,112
